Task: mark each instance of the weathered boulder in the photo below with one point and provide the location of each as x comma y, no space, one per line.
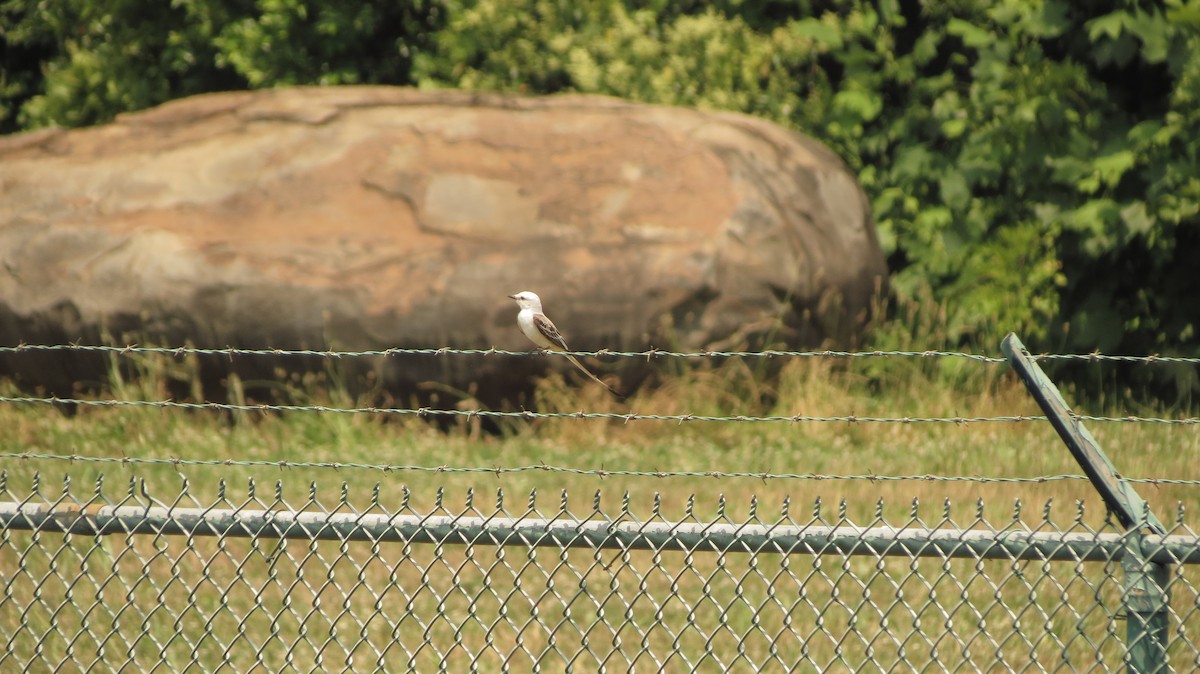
374,217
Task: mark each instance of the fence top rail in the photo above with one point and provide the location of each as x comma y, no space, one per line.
266,508
270,495
649,354
913,539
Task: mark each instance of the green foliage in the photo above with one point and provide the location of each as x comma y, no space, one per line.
97,59
102,59
1016,153
1035,164
288,42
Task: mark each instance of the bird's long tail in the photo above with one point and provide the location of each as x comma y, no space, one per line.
591,376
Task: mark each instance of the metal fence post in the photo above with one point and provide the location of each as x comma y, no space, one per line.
1144,600
1146,594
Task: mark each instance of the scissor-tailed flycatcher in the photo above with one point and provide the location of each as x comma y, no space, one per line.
541,331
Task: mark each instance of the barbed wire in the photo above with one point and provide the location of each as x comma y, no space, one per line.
427,412
548,468
446,350
530,415
647,354
1099,357
499,414
525,414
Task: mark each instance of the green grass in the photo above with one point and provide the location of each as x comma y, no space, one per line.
359,606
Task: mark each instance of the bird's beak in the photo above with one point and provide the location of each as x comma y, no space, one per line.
511,297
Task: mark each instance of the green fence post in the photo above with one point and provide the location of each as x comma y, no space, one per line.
1146,596
1145,600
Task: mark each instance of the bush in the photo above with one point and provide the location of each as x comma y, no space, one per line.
80,62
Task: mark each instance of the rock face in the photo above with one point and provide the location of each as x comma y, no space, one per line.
373,217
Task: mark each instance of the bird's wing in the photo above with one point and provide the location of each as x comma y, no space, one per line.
546,327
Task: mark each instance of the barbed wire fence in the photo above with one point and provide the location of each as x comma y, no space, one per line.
646,355
102,577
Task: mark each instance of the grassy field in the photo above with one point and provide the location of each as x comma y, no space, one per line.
358,606
811,387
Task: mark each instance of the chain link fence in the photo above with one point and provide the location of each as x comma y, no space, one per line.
105,577
97,579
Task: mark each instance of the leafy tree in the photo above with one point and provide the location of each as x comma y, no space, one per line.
98,58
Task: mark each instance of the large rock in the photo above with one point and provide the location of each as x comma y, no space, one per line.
368,217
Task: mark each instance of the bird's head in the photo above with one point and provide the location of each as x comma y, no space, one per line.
527,300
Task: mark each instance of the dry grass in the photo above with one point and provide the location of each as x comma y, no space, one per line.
357,606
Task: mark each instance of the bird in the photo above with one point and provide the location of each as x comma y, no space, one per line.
541,331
